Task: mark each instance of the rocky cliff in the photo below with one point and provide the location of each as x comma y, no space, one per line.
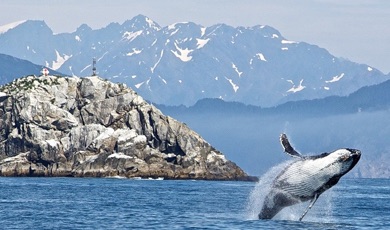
55,126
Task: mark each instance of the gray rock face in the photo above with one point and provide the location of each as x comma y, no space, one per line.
54,126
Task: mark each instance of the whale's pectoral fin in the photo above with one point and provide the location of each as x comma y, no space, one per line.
287,146
310,205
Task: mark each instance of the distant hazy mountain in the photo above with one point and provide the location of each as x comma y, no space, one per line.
366,99
185,62
249,135
11,68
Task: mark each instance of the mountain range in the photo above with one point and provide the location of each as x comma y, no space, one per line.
184,62
249,135
238,87
366,99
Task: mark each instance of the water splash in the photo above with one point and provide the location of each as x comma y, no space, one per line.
321,211
262,188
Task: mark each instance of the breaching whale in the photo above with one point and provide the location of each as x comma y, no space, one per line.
306,178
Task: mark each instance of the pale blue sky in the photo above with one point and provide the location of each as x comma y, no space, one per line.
354,29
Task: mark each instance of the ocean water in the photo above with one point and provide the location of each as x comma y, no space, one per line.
112,203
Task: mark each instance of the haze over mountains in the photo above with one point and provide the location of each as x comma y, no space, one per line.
249,134
274,85
185,62
367,99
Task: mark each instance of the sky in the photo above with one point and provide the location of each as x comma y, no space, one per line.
357,30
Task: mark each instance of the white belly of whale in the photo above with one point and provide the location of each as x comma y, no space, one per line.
304,177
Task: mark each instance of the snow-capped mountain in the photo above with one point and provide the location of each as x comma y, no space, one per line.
185,62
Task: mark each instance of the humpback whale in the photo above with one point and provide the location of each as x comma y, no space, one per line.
306,178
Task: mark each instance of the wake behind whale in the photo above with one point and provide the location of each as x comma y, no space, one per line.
302,180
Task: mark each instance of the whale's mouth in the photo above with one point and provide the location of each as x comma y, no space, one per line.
355,152
355,156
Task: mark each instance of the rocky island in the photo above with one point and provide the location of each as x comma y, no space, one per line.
90,127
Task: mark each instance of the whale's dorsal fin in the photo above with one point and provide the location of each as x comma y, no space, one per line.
287,147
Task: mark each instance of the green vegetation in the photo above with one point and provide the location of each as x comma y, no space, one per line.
29,82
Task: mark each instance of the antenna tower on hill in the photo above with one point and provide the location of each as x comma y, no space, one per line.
93,67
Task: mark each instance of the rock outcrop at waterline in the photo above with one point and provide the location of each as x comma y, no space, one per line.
55,126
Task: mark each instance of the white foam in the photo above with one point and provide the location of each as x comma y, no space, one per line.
262,188
116,177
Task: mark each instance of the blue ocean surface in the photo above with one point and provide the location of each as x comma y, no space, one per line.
109,203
